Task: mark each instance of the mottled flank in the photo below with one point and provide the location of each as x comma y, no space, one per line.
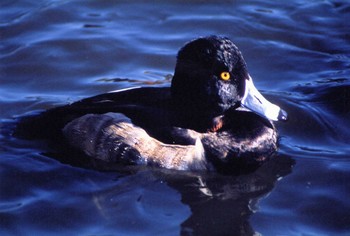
113,138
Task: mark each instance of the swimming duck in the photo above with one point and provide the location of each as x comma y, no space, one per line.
211,118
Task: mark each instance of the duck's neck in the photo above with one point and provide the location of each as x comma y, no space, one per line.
192,116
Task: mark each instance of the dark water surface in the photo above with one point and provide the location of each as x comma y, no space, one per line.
56,52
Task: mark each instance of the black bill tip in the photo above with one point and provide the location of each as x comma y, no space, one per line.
282,115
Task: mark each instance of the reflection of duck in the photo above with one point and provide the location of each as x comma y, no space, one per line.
219,204
201,122
222,205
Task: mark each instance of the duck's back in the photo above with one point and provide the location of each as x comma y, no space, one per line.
145,106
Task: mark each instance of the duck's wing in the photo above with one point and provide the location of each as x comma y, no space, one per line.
139,104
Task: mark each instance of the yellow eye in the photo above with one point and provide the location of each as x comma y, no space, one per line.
225,75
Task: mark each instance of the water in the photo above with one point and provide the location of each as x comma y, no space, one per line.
56,52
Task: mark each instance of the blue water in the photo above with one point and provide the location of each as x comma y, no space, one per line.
56,52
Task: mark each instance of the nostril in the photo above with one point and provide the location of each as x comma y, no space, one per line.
258,99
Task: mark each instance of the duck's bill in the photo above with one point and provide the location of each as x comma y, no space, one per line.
254,101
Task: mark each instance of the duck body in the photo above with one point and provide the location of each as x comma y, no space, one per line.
209,119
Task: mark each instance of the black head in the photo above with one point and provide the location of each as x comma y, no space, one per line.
209,76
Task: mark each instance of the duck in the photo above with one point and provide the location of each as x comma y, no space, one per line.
211,118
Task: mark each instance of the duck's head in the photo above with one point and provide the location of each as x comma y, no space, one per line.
211,77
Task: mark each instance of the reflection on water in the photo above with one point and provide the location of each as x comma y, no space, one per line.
219,204
55,52
154,79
